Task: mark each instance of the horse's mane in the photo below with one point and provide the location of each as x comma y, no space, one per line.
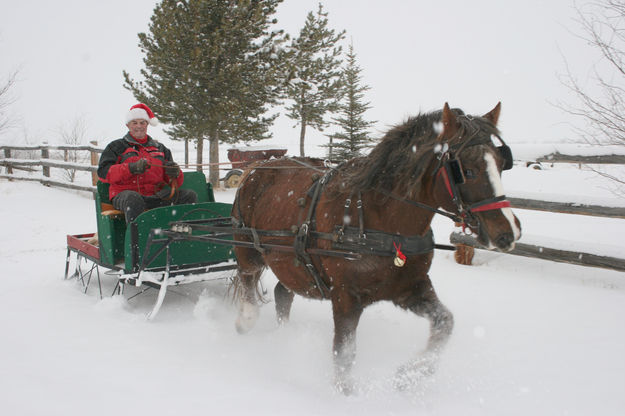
404,154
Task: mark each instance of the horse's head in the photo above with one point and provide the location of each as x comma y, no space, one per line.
468,177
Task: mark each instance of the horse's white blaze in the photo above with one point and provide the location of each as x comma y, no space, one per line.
495,181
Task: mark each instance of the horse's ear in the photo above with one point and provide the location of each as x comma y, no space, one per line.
450,124
493,115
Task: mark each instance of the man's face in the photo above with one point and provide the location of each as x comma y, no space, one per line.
138,128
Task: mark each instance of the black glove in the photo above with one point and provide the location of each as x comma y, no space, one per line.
138,167
172,170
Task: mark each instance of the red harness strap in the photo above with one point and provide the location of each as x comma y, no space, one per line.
491,206
487,205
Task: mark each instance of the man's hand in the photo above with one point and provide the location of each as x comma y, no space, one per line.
138,167
172,170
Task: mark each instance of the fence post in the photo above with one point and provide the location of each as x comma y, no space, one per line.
94,162
45,154
7,155
464,253
186,153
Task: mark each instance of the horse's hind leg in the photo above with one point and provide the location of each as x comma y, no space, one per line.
424,302
284,300
249,271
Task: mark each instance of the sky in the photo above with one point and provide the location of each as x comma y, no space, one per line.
415,56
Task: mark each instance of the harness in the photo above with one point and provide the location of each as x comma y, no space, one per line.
349,240
303,234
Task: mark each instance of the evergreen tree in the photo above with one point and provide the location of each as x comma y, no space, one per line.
354,137
315,79
211,70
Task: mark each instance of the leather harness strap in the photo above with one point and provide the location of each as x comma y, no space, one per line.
303,234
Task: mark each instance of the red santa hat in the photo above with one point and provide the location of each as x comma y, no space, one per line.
141,112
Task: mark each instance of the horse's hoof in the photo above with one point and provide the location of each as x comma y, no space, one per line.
282,320
248,315
346,386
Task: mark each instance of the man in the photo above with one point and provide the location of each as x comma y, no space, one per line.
137,167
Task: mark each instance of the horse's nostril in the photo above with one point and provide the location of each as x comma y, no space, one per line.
504,240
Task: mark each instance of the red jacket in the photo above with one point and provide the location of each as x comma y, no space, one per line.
113,166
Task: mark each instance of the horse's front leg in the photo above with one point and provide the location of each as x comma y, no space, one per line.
346,311
424,302
247,293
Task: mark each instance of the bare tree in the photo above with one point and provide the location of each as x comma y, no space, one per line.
6,99
73,134
602,25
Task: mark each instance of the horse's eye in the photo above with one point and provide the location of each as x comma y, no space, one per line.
468,173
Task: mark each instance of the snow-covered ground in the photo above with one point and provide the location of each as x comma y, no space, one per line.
531,336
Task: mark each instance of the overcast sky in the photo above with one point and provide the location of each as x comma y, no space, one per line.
415,55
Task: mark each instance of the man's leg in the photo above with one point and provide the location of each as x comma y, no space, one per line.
186,196
131,203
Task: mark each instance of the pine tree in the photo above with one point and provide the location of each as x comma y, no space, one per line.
354,137
212,69
315,80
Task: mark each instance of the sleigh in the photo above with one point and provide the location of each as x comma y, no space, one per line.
141,255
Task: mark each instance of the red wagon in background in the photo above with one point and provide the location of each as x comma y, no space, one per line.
242,157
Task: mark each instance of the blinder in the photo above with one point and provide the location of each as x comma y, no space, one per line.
457,174
506,155
505,152
454,175
454,170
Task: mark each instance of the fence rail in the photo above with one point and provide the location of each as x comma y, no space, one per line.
546,253
567,208
17,163
90,148
465,244
52,182
557,157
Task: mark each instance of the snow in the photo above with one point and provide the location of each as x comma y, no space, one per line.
531,336
565,183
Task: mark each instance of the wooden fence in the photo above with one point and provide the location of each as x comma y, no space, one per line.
45,162
557,157
465,244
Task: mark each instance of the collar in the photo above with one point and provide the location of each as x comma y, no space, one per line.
131,139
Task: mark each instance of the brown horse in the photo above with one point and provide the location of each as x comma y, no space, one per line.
380,246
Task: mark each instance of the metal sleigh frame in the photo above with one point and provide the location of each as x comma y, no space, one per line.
88,264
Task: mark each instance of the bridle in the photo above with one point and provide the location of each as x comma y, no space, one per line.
452,174
449,168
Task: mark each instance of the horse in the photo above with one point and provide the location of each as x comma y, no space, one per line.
359,233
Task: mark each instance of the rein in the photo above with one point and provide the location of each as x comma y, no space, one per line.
449,215
173,184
